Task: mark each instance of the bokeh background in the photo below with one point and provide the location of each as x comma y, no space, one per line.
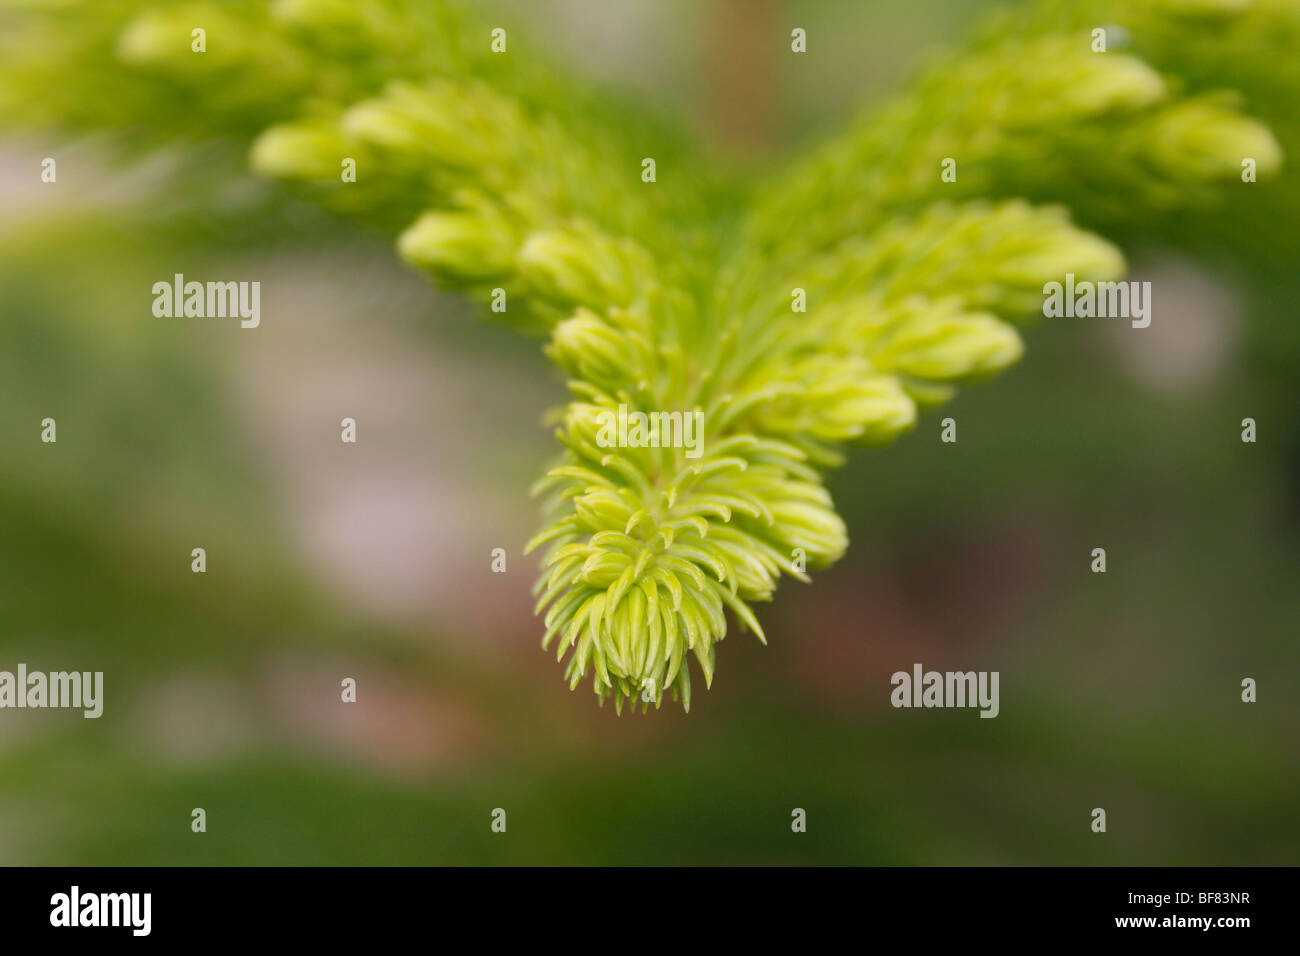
371,561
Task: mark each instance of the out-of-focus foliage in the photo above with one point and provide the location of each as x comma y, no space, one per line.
675,294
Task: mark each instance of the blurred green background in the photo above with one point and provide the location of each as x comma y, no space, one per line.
371,561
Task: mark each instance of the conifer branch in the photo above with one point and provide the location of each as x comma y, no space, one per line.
667,297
